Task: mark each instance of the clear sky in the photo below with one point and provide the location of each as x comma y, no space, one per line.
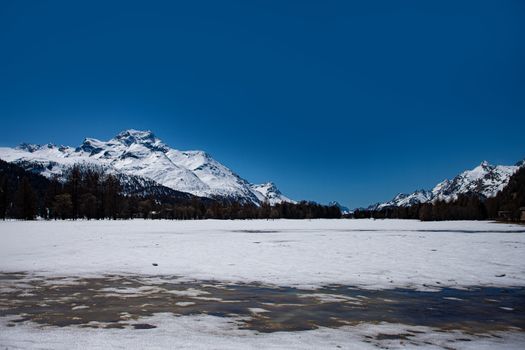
352,101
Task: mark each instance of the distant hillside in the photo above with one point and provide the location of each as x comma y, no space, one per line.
92,192
470,205
484,181
144,163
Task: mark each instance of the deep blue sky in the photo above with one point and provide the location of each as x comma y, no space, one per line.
332,100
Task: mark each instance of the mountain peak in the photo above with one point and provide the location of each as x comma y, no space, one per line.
269,185
139,153
31,147
131,136
520,163
90,145
485,165
342,208
270,193
484,181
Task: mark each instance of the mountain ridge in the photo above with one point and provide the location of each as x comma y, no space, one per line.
485,181
141,154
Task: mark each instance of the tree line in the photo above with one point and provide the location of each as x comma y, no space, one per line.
504,206
90,193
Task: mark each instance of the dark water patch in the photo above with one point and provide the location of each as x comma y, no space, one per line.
143,326
119,301
393,230
399,336
12,275
255,231
397,232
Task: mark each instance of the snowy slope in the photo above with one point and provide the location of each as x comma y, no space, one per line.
270,193
485,180
405,200
141,154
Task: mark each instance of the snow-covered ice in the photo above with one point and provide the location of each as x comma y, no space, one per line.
372,254
210,332
364,253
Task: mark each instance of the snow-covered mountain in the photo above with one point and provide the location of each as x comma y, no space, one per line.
485,180
142,155
344,210
404,200
268,192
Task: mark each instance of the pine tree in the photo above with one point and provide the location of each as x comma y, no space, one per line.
111,187
62,206
73,187
25,200
88,206
4,196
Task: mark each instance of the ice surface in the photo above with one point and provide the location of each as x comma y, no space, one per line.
210,332
364,253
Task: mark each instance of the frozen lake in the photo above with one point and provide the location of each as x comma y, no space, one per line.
270,284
